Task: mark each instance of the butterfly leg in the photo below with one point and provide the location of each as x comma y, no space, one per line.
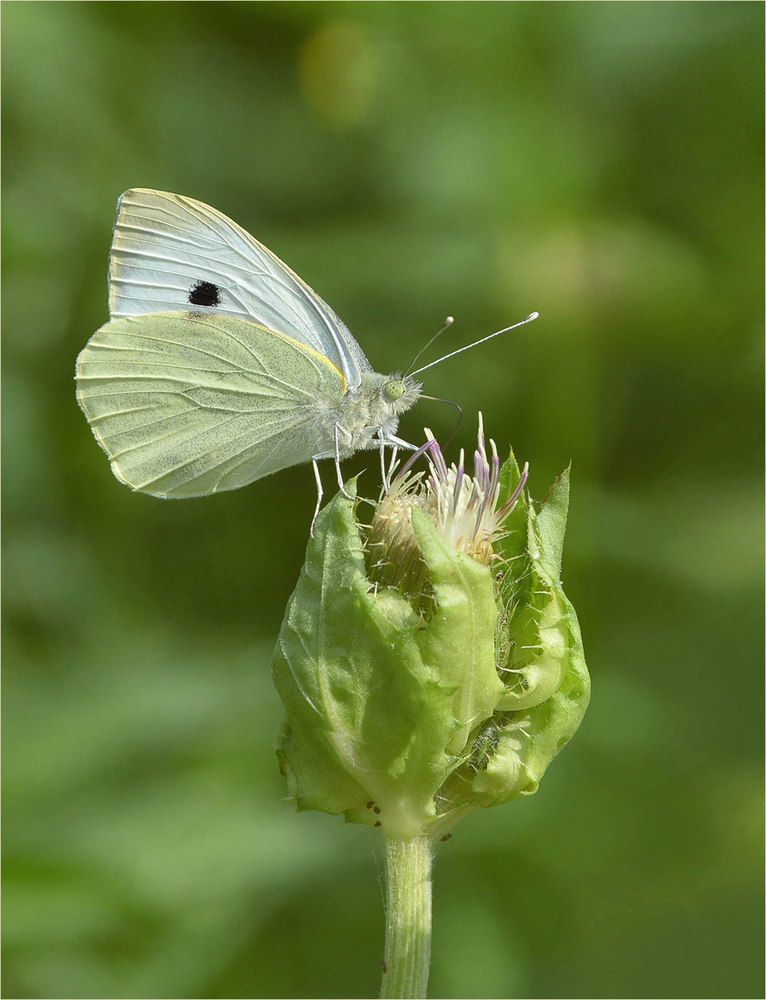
384,472
387,472
395,444
337,466
320,494
399,443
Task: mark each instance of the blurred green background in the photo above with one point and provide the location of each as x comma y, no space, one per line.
598,162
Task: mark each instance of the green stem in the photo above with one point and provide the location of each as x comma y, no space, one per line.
408,919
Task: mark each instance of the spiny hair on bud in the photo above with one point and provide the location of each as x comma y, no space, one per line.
520,682
444,803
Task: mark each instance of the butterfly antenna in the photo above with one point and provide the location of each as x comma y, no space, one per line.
447,322
532,316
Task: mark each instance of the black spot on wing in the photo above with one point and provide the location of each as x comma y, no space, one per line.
204,293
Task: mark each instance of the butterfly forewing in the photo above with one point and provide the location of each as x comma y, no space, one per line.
171,253
187,404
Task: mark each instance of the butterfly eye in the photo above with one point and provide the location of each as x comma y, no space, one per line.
393,390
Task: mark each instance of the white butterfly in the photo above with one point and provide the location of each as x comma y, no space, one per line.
220,365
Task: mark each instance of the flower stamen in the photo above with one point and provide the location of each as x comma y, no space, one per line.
463,508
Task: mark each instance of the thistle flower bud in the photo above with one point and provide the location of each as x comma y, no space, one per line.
430,664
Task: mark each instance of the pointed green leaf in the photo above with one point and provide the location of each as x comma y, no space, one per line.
552,522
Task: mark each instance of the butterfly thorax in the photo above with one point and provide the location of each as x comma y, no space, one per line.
372,410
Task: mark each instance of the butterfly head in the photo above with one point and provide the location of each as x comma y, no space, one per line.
399,392
373,409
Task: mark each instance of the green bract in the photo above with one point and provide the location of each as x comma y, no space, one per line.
408,713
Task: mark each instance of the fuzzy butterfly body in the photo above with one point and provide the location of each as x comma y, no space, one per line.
219,365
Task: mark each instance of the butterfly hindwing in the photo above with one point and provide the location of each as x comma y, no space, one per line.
187,404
